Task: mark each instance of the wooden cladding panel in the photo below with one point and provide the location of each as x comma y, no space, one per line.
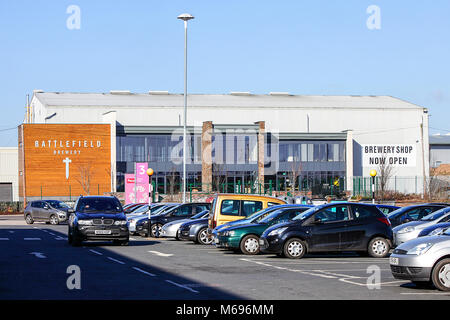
67,159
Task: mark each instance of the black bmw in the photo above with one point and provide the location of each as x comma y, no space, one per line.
97,218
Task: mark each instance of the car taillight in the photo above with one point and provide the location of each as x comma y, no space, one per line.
385,221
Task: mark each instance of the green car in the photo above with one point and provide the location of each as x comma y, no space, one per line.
245,238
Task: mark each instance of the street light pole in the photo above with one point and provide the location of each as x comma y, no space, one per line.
185,17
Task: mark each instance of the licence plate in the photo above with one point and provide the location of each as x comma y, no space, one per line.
261,242
102,231
393,261
216,240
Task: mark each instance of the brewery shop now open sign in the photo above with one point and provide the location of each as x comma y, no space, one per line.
397,155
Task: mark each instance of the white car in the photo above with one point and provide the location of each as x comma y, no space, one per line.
170,230
411,230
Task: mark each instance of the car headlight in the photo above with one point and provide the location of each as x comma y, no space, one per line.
406,230
120,222
228,233
276,232
85,222
420,249
436,232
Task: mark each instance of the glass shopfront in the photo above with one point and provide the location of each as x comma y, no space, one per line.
312,164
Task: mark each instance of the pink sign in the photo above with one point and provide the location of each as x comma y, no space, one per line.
137,185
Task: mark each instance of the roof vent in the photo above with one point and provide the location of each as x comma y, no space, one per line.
120,92
285,94
240,93
158,92
38,91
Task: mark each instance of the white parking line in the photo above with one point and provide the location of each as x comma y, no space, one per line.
181,286
115,260
161,254
32,239
426,293
144,272
4,239
96,252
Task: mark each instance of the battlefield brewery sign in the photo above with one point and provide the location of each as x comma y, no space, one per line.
64,159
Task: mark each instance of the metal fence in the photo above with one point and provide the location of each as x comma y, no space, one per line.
433,187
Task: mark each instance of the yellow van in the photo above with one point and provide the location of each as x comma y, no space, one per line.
231,207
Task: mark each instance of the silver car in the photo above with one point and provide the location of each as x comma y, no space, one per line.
170,230
135,217
52,211
424,260
411,230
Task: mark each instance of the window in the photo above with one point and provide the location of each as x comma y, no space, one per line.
361,212
230,207
201,207
249,207
414,214
183,211
36,204
269,204
332,214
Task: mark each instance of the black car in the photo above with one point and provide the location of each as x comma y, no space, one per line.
413,213
329,228
97,218
182,211
196,230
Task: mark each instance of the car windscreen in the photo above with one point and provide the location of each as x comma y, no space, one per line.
199,215
95,205
307,213
397,212
57,204
436,215
142,209
261,214
270,216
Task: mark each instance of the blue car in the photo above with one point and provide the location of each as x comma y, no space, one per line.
97,218
255,217
413,213
386,209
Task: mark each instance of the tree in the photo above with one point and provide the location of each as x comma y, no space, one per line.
84,178
384,174
220,177
296,170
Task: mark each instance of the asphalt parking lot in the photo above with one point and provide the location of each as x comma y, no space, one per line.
35,260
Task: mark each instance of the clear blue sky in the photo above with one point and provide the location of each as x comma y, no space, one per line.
303,47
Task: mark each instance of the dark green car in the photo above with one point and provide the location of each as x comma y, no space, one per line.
245,238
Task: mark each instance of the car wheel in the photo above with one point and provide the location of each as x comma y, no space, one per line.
29,219
54,219
202,237
156,230
69,237
73,239
250,245
379,247
294,248
441,275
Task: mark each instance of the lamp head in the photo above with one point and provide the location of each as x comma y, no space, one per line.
185,17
